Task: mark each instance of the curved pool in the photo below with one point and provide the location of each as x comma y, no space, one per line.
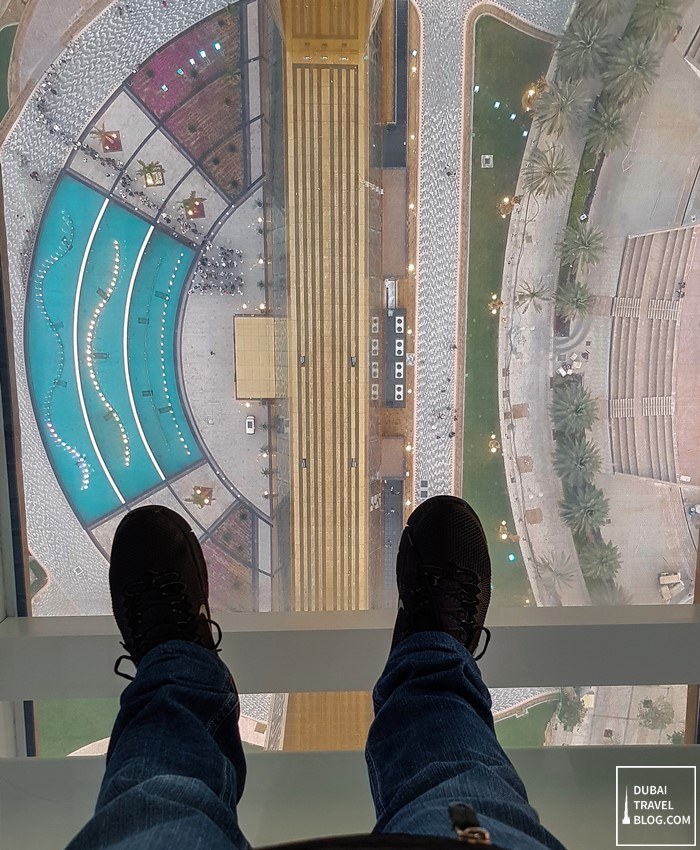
100,350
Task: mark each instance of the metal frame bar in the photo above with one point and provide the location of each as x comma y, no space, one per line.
287,652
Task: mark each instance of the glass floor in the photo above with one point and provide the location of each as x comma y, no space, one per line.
290,274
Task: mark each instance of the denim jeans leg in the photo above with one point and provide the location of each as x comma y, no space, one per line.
433,742
175,764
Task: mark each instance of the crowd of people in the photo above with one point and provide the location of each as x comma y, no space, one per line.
218,270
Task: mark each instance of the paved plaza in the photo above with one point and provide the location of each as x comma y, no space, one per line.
58,113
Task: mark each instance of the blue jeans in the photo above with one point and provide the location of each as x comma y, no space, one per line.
176,769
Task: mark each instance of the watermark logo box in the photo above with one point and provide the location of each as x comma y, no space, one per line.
656,806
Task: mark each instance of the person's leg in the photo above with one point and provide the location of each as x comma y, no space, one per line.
175,764
433,742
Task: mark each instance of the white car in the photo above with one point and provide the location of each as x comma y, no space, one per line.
250,424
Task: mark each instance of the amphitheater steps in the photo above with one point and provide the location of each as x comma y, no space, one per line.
645,312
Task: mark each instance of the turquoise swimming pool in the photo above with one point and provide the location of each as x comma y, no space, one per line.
99,349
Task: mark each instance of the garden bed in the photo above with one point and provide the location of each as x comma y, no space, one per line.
236,535
230,582
225,165
208,117
161,69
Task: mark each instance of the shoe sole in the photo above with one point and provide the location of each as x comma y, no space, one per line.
413,527
192,543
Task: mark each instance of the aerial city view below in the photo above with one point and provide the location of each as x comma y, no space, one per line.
291,268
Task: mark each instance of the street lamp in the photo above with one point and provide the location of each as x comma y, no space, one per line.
531,93
495,304
507,204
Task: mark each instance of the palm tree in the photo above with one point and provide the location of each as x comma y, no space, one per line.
548,172
652,18
610,594
600,561
582,245
600,10
608,129
632,69
576,459
191,205
556,573
583,49
584,509
572,409
106,138
533,295
562,106
152,172
574,300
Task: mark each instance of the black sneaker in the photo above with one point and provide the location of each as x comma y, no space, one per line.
444,573
159,584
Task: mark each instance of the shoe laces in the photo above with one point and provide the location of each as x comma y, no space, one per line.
459,586
158,609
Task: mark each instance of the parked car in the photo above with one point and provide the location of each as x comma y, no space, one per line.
250,424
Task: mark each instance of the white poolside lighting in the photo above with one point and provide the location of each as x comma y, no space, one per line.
411,267
409,447
411,206
407,502
261,262
262,305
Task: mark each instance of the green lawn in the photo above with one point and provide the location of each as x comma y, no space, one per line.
7,37
528,730
506,61
64,726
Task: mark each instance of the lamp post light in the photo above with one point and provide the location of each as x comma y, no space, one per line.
495,304
531,93
507,204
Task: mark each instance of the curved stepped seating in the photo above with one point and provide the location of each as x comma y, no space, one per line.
645,312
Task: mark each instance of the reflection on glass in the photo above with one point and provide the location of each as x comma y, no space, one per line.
239,287
306,722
